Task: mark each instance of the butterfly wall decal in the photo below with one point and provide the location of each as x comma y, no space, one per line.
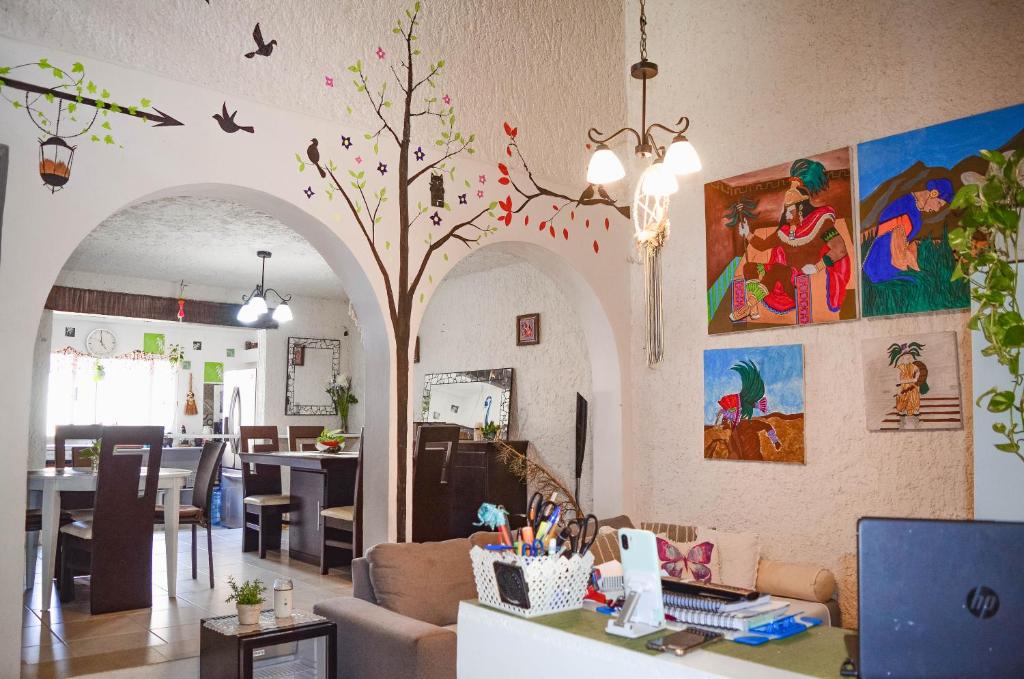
694,564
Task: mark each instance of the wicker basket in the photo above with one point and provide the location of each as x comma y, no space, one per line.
554,583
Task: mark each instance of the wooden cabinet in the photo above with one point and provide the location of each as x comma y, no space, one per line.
450,483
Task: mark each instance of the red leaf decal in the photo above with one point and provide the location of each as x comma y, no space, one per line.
587,222
503,180
503,168
606,224
508,151
597,248
526,221
565,234
506,204
554,207
508,129
572,214
508,219
551,230
542,225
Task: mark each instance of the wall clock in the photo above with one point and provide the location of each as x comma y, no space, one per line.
101,343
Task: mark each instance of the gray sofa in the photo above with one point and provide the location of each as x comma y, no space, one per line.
401,618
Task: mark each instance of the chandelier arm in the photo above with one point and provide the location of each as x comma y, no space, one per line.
281,297
595,135
684,122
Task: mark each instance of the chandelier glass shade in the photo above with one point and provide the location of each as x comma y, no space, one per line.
254,305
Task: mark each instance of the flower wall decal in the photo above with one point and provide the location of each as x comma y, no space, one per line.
435,219
346,142
382,167
462,199
328,81
420,155
381,53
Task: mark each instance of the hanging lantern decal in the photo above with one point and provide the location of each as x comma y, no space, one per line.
55,157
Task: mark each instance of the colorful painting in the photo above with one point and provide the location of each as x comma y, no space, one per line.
528,329
780,245
906,183
912,382
213,372
754,404
153,343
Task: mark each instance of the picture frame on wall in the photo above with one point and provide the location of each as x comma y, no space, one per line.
527,329
298,355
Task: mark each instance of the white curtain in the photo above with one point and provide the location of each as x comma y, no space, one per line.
133,391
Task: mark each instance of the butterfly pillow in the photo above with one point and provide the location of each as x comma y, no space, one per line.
688,560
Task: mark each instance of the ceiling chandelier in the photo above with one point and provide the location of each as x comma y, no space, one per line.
255,304
654,187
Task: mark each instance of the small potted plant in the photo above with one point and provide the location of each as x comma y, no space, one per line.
175,356
92,453
248,598
490,431
330,441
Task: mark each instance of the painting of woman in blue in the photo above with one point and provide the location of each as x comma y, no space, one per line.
894,249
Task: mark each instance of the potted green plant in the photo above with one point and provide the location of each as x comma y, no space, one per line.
341,394
987,247
490,431
92,453
175,355
248,598
330,441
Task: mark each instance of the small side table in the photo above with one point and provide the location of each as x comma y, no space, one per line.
303,646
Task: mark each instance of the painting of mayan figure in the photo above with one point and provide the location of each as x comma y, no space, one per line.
780,245
912,382
754,404
905,185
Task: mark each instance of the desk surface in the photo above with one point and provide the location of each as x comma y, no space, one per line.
817,652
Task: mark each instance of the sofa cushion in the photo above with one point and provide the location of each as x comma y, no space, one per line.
795,580
738,554
424,581
689,560
671,531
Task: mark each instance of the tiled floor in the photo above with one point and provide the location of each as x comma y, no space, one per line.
68,642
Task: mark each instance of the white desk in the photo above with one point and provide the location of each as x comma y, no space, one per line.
491,644
52,481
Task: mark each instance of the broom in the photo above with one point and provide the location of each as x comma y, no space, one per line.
190,399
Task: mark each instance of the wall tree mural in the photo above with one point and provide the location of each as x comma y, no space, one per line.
404,120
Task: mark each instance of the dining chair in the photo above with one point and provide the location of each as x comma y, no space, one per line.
348,520
78,503
263,504
198,513
303,436
435,448
115,547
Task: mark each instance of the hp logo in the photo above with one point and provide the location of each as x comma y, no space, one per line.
982,602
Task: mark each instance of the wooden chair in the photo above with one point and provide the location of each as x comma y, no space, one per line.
198,513
348,520
116,546
78,503
435,447
263,504
303,437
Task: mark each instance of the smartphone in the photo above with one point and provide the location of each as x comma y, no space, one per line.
641,572
684,641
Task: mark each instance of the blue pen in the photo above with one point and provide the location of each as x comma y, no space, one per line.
497,548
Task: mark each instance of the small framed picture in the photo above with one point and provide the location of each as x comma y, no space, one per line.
231,353
527,329
186,365
197,346
299,355
69,332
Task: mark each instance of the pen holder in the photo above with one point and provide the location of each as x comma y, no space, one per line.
539,584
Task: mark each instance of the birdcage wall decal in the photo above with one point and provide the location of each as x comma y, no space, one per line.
55,158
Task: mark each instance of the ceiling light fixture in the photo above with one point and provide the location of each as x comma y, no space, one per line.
255,304
656,184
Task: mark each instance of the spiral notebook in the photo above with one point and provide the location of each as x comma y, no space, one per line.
741,620
703,603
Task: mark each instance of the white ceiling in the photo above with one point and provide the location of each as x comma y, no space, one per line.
205,241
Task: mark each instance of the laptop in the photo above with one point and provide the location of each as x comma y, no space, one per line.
939,599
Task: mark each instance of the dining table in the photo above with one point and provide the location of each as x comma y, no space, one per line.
52,481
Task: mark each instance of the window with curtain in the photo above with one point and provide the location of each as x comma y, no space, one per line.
131,389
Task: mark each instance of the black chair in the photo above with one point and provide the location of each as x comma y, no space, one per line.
346,520
263,504
198,513
116,546
303,436
77,503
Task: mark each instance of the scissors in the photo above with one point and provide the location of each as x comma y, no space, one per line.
580,533
539,510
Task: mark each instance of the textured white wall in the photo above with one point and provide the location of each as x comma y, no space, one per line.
765,83
470,325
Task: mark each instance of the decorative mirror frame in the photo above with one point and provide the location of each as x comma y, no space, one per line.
292,408
499,377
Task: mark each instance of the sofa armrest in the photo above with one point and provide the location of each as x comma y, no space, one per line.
375,643
795,580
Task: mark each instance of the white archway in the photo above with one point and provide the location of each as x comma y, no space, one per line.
609,371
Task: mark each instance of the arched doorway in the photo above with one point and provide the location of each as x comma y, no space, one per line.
602,351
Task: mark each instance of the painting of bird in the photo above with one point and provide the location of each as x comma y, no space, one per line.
313,153
262,48
227,121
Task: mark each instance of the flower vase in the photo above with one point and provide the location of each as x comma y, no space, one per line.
248,614
94,462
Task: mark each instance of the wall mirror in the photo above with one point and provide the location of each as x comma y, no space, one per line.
469,397
312,365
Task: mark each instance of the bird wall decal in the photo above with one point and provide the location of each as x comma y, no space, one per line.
227,121
262,48
313,153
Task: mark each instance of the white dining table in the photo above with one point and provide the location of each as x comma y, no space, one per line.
52,481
